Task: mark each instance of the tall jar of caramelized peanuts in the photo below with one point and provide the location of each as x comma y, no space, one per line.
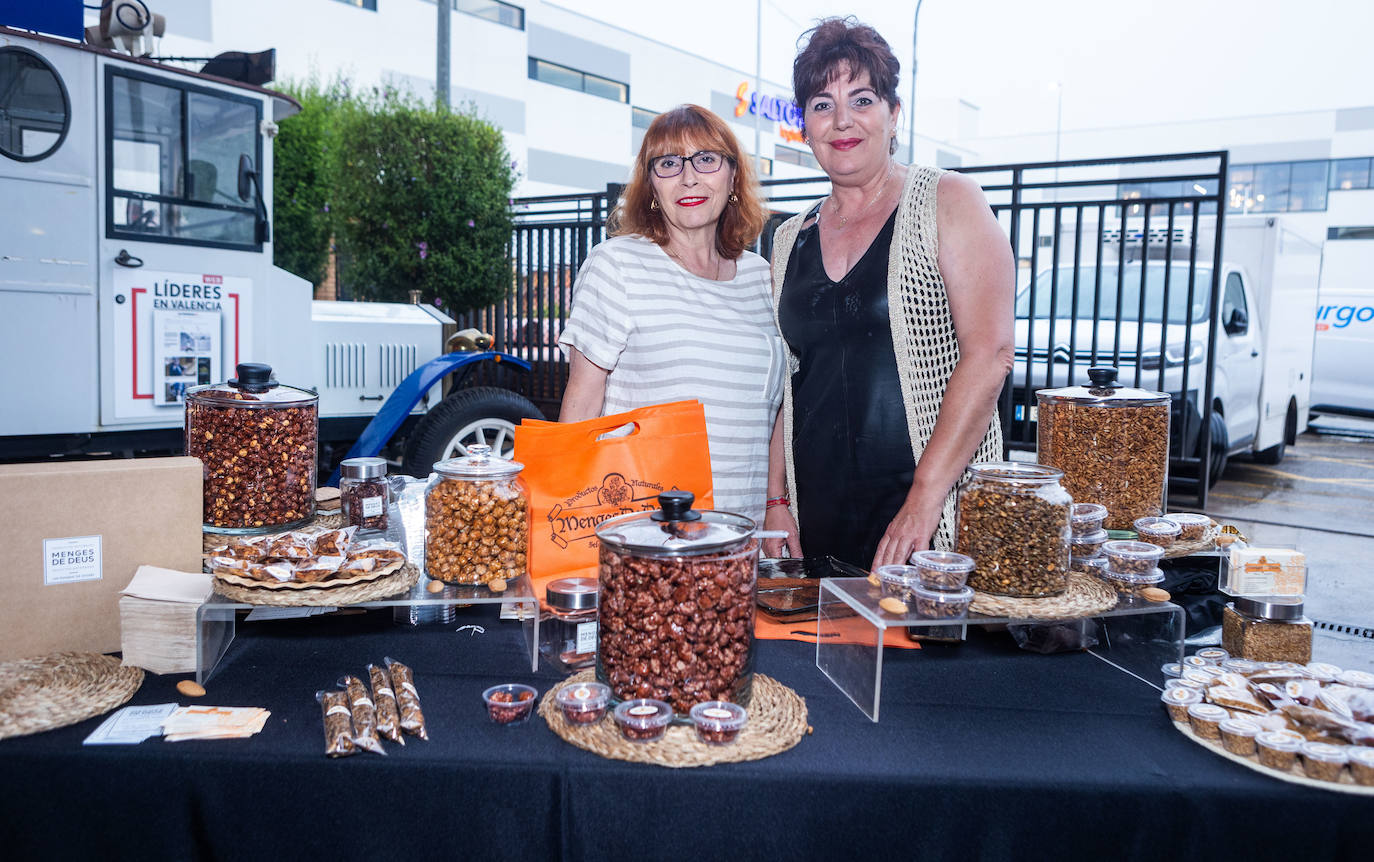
1111,441
476,519
258,441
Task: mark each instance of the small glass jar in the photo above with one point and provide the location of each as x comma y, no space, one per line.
1013,520
1112,443
476,519
1271,629
258,441
567,623
365,493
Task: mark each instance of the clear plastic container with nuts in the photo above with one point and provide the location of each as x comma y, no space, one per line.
476,520
1157,531
258,441
677,604
1013,520
1111,442
1087,518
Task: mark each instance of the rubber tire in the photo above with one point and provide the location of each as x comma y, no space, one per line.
1274,454
434,432
1220,442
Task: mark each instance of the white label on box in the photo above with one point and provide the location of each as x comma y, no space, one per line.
67,561
586,637
373,506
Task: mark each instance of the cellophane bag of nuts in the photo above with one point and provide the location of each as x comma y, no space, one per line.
577,477
1111,442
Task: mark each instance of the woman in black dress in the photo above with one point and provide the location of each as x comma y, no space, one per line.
894,297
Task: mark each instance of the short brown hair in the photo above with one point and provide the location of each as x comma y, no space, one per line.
683,130
844,41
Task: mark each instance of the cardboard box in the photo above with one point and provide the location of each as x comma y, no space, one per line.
74,533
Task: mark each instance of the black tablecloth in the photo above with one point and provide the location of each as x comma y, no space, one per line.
982,752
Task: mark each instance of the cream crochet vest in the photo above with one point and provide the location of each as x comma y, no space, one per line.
922,330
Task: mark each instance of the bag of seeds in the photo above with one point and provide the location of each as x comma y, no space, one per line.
364,715
338,723
384,696
407,698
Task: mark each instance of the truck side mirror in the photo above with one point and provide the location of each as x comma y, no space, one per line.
1237,322
245,177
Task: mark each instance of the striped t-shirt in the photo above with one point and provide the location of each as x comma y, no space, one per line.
668,335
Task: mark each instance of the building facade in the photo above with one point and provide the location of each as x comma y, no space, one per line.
572,94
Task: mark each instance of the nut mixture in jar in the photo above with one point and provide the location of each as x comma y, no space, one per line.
1013,520
476,529
677,629
1111,442
258,445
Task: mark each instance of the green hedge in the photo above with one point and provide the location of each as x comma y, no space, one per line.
421,200
301,182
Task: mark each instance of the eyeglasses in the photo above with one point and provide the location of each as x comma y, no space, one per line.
703,161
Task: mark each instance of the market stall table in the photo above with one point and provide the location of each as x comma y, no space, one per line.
983,751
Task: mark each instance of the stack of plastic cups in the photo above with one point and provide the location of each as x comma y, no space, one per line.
1085,545
1131,567
941,590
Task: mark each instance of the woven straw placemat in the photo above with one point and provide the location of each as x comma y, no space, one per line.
1085,597
1295,775
777,721
62,688
1183,549
324,595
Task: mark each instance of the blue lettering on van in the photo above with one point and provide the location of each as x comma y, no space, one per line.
1344,315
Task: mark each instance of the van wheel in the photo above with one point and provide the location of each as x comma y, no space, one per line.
1274,454
482,414
1220,442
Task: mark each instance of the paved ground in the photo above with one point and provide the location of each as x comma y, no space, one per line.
1319,499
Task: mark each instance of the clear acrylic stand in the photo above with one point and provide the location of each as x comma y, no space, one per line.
1136,636
216,619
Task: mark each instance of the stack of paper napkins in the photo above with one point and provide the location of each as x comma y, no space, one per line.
157,618
213,722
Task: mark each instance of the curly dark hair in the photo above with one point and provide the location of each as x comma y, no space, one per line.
838,42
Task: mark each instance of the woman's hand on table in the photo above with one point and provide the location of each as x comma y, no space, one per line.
780,518
910,531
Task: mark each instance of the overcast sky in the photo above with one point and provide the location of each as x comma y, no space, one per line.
1121,63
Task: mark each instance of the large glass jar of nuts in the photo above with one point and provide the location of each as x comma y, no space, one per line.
476,519
1013,520
258,442
1112,443
677,604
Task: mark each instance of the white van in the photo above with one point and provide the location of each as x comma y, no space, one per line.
1344,350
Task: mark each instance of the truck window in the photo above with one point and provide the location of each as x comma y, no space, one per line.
173,162
35,111
1234,299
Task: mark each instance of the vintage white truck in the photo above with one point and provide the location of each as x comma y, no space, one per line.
136,261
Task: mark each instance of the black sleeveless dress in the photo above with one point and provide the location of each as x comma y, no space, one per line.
850,442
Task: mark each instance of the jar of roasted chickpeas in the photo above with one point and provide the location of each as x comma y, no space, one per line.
476,520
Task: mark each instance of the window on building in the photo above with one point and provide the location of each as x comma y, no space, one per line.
640,118
370,5
1271,187
764,165
507,14
1349,174
1365,232
1307,187
575,79
794,156
174,155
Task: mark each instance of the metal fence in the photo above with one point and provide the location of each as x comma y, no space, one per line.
1114,267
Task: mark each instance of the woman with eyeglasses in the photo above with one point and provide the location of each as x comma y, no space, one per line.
894,296
672,307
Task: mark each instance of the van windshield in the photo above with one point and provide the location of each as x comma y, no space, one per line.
1130,294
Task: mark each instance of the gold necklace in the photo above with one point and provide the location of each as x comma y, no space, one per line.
720,263
844,222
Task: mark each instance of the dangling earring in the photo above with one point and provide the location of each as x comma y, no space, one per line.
807,140
892,146
734,198
653,203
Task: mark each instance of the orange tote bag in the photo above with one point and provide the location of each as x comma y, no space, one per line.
577,477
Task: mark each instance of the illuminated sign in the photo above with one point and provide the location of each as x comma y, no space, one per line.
775,108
